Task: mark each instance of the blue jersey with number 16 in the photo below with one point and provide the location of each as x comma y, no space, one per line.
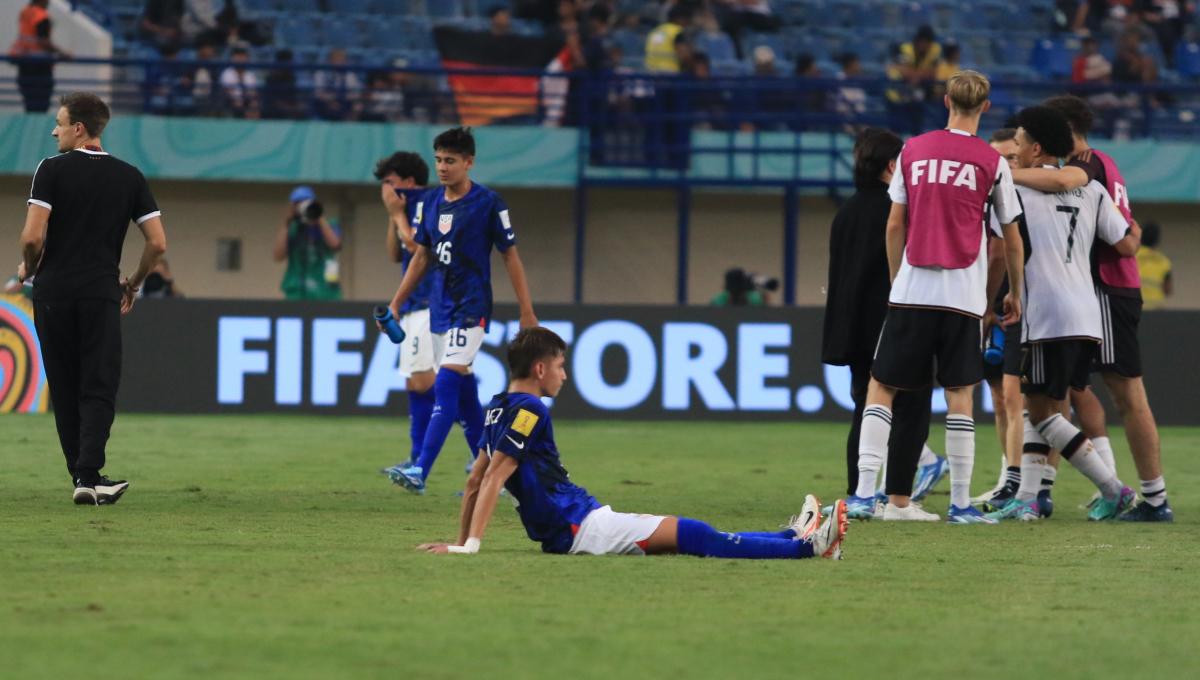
460,236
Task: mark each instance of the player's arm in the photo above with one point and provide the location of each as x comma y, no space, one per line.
516,274
471,494
495,474
1052,181
1014,257
33,239
897,234
400,234
412,277
995,276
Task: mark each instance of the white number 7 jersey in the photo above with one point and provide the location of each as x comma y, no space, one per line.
1060,299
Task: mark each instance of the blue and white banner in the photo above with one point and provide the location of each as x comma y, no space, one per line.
623,362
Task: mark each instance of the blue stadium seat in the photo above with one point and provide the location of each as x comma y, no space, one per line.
631,44
341,32
444,9
354,6
296,31
718,46
1053,56
1187,59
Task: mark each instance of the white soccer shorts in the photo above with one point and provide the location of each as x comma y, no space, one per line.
457,346
416,352
605,532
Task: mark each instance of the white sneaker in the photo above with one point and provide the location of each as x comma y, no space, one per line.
912,512
809,518
827,540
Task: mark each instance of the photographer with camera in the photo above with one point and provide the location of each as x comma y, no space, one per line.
745,289
310,244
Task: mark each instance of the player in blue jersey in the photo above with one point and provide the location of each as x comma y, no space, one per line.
459,225
519,455
403,177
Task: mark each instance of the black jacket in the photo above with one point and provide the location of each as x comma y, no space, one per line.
857,294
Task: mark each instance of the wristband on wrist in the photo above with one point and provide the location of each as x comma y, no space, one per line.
469,548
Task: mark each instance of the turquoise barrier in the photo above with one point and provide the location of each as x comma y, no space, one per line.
514,156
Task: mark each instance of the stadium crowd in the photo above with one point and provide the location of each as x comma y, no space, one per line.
377,60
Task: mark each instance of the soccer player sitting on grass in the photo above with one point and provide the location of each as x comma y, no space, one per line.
520,455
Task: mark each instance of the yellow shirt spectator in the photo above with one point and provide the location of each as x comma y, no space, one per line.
660,48
1155,268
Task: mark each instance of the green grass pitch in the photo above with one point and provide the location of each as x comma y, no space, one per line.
271,547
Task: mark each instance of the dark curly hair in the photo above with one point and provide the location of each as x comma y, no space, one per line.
1049,128
404,164
1076,111
457,140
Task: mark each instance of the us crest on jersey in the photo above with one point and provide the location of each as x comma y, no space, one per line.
444,223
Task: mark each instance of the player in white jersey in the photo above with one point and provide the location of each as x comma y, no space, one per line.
1061,325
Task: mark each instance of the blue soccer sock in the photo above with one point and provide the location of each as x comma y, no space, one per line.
420,407
446,389
697,538
470,413
786,533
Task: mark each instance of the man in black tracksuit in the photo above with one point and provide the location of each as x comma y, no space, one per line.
80,206
857,304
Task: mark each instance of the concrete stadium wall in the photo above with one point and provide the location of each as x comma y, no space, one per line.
631,242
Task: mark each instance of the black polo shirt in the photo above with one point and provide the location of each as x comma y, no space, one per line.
92,197
857,295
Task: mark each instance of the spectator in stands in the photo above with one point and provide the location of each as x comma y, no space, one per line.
707,103
739,16
667,48
902,101
280,93
220,21
501,21
917,67
951,62
310,244
239,86
764,61
168,85
1155,268
597,44
337,91
205,94
1132,64
384,100
162,23
1090,66
1168,19
33,52
850,101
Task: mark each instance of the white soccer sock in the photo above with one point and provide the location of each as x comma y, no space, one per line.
872,447
1104,448
928,456
960,451
1076,448
1154,491
1049,474
1032,465
881,486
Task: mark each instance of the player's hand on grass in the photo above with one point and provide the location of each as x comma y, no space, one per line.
128,295
435,548
1012,309
394,203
